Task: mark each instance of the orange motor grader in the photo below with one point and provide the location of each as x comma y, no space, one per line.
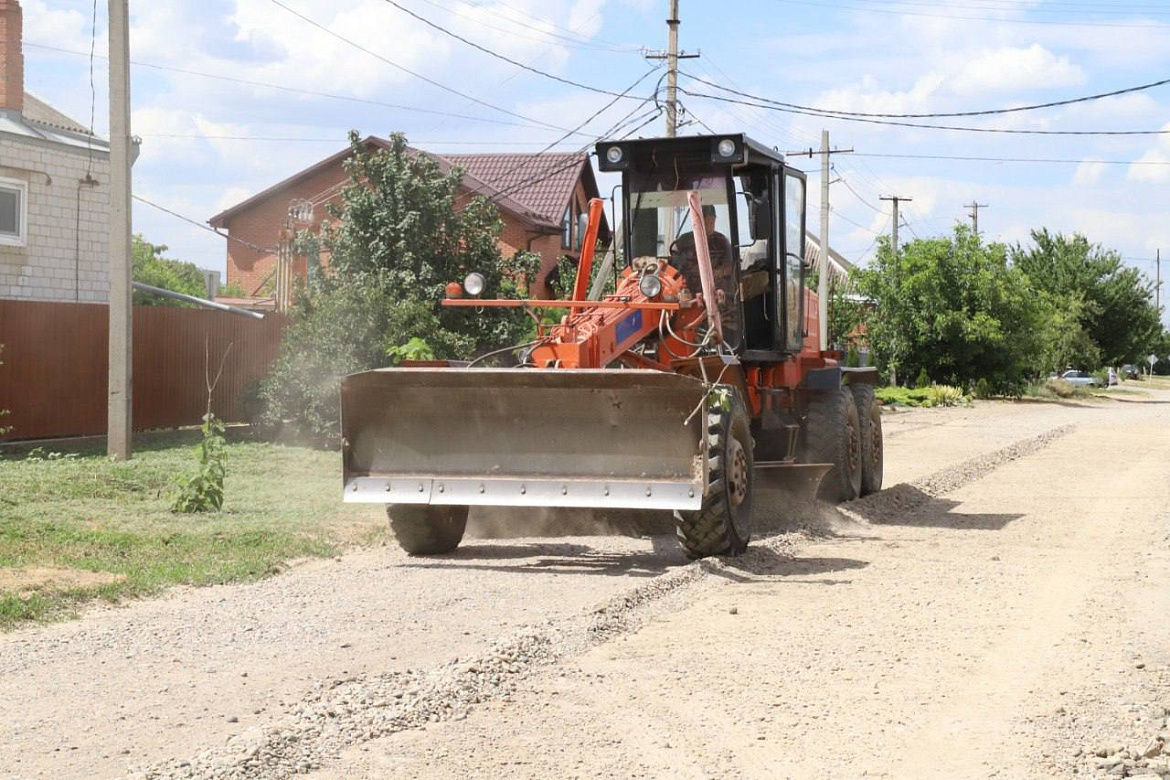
698,382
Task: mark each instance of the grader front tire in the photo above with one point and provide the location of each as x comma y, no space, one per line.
723,525
427,530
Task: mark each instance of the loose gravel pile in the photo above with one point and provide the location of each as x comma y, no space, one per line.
902,500
344,711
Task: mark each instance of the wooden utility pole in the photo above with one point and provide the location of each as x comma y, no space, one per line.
975,206
120,388
895,199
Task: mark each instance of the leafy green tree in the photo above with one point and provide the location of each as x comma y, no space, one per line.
954,308
1114,302
396,240
150,267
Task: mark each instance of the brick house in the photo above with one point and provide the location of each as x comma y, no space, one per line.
54,190
546,216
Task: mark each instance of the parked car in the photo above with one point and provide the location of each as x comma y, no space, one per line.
1075,377
1131,372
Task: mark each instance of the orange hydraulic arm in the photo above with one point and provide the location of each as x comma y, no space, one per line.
595,334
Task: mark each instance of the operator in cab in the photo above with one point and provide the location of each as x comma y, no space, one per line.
684,257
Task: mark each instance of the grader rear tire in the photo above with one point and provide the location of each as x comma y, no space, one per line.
723,525
427,530
833,436
869,415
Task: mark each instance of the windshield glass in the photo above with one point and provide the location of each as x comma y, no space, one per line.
660,226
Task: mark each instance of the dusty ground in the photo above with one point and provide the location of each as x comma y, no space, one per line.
1013,622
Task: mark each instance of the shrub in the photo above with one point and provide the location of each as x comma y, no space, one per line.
204,491
983,389
945,395
923,379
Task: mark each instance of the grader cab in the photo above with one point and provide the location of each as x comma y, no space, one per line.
696,383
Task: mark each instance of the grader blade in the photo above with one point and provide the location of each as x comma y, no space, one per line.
524,437
799,480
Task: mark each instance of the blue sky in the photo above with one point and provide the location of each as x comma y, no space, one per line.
863,55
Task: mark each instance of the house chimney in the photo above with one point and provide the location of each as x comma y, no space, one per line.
11,56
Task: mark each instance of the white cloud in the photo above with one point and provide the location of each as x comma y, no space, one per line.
1089,172
1155,170
1011,69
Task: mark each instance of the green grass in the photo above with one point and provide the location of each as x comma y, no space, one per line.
84,513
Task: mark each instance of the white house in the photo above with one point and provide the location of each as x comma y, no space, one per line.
54,190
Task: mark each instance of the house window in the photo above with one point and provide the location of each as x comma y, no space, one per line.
567,229
582,226
13,212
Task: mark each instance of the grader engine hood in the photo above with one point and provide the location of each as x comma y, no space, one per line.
524,437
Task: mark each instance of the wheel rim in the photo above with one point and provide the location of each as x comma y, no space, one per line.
737,472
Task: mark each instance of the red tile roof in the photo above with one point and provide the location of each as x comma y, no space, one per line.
533,187
543,183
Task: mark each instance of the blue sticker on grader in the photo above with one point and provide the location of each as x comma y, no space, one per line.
629,326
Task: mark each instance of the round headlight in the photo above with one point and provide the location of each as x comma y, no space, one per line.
474,283
614,154
650,285
726,147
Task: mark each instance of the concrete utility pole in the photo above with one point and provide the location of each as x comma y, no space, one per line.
823,274
1158,284
120,388
895,199
975,206
672,71
672,56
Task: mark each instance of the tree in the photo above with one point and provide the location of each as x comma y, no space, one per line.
954,308
1114,302
150,267
396,240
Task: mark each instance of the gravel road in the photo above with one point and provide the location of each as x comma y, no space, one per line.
1001,610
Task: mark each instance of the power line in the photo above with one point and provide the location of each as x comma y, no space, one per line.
896,123
573,41
819,4
1007,159
405,70
854,224
298,91
496,54
278,139
855,193
984,112
1010,7
203,226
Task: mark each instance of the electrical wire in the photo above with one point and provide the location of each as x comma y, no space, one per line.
406,70
851,222
855,193
573,41
820,4
1006,159
983,112
298,91
434,142
203,226
896,123
496,54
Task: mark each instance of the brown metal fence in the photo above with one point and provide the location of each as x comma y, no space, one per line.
53,377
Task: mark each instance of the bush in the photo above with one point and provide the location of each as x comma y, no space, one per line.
983,389
396,241
923,380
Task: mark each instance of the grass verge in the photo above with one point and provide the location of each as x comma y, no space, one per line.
80,513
